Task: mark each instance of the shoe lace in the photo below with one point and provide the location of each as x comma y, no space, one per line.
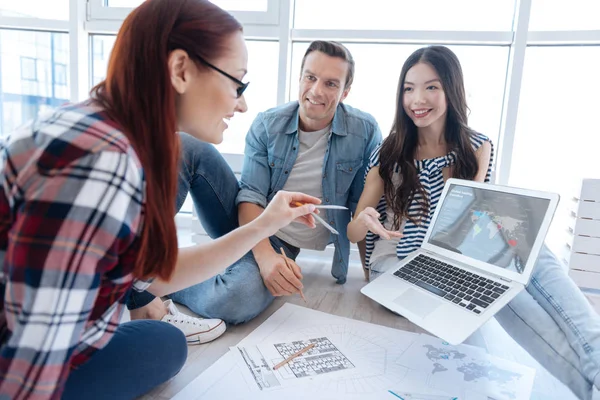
184,318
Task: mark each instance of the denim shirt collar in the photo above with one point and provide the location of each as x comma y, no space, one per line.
338,127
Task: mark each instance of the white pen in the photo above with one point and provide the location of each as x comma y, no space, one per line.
325,224
326,207
319,219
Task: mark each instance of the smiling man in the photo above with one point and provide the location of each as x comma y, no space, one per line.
316,145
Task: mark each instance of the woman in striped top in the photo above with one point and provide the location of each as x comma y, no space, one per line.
429,143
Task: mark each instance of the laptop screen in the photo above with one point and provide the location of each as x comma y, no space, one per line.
490,226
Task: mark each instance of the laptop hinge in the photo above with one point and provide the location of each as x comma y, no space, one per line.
500,277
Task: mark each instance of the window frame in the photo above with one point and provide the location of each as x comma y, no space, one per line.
98,10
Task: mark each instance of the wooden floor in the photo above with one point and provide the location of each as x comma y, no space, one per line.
346,300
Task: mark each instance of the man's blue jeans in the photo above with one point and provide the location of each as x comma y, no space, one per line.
238,294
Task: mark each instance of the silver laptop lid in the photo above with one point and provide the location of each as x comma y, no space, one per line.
495,228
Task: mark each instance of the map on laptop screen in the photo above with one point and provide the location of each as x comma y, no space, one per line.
494,227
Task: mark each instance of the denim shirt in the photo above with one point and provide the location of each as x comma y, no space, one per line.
272,147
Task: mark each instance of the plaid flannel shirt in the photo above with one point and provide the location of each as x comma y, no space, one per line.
71,209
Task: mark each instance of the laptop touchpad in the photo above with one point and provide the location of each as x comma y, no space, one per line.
417,302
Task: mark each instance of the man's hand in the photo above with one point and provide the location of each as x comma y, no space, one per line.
278,278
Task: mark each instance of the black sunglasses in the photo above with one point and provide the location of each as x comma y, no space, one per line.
240,90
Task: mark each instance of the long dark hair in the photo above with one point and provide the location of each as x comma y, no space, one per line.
138,95
398,149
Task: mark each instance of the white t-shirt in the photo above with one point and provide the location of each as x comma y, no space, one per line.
307,177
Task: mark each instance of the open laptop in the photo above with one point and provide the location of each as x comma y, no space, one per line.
478,254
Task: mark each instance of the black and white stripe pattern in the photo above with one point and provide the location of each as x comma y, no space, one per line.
432,179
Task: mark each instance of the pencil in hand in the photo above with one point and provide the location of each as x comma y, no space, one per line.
296,354
291,269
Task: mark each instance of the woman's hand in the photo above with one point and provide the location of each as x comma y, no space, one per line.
284,209
369,218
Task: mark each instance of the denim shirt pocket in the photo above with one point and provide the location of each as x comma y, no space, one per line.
276,168
346,171
275,162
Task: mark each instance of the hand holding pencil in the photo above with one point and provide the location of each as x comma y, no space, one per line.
286,259
280,274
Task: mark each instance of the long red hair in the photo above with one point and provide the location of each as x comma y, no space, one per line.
137,93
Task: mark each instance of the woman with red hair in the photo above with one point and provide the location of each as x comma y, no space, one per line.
86,209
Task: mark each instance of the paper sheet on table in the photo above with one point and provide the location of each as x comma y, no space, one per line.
325,360
377,353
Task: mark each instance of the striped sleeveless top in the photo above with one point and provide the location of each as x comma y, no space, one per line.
432,179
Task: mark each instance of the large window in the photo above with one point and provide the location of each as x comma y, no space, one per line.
557,140
260,95
439,15
561,15
33,75
376,82
246,11
232,5
46,9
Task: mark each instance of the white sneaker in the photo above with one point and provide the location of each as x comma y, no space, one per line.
196,330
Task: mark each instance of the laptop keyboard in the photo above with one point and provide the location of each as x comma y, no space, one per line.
463,288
